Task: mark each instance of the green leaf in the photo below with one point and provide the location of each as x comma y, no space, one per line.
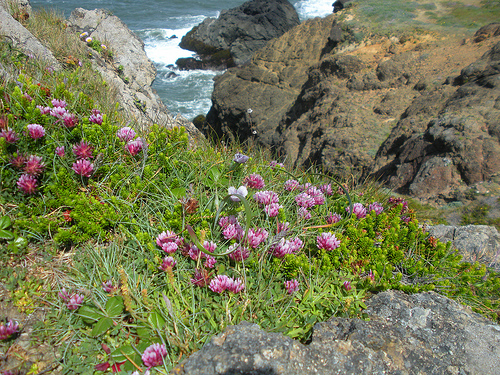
118,354
6,234
179,192
156,320
102,326
89,315
114,306
5,222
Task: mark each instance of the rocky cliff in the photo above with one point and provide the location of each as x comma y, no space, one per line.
418,111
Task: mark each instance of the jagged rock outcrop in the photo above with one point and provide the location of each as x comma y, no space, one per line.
233,37
351,108
136,96
13,32
407,334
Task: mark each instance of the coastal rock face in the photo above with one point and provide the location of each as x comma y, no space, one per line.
391,108
233,37
20,37
137,72
407,334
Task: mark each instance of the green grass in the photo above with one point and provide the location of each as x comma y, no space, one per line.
106,226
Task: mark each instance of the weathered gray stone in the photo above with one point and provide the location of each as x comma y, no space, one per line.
407,334
477,243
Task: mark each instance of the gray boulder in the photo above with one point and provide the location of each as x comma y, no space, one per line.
241,31
407,334
136,74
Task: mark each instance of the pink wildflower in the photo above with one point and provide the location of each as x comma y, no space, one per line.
18,161
43,110
167,263
272,210
135,146
304,200
232,232
36,131
326,189
275,164
58,103
83,150
75,301
358,209
27,184
108,286
60,151
316,194
347,285
221,283
333,218
224,221
8,329
377,207
291,286
238,253
397,201
327,241
266,197
210,261
201,277
285,247
256,237
58,112
28,97
64,295
153,355
291,185
282,227
70,120
371,276
9,135
83,167
303,213
96,117
126,134
34,165
254,181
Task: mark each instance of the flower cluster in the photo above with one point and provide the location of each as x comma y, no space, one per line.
36,131
135,146
240,158
254,181
126,134
96,117
108,286
291,286
287,246
221,283
83,167
167,263
154,354
357,209
269,200
72,300
9,135
8,329
27,184
169,241
327,241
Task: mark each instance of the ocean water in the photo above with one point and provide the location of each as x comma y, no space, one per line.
161,25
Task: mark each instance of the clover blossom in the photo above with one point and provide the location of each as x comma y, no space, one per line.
233,232
60,151
347,285
221,283
9,135
274,164
27,184
333,218
18,161
83,167
224,221
167,263
96,117
83,150
43,110
327,241
304,200
304,213
135,146
240,158
70,120
108,286
266,197
286,246
316,194
169,241
358,209
256,237
8,329
326,189
125,134
73,300
36,131
254,181
238,252
397,201
272,209
291,185
34,165
242,190
201,277
58,112
154,354
58,103
291,286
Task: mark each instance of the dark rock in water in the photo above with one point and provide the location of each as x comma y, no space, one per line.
241,31
171,75
407,334
217,61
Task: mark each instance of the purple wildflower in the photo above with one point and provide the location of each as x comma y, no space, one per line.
327,241
135,146
18,161
242,190
240,158
8,329
233,231
96,117
83,167
371,276
167,263
34,165
239,252
75,301
347,285
70,120
285,247
291,286
274,164
36,131
64,295
27,184
108,286
303,213
397,201
220,283
58,103
224,221
326,189
201,277
126,134
291,185
266,197
358,209
28,97
272,210
304,200
153,355
43,110
9,135
60,151
254,181
377,207
83,150
316,194
58,112
333,218
256,237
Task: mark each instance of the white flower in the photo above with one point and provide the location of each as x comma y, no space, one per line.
249,110
242,190
88,40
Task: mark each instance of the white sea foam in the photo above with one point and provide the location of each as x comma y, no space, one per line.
313,8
